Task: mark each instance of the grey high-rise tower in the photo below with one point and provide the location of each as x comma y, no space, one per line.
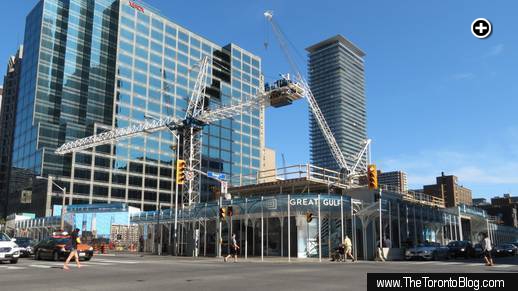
336,77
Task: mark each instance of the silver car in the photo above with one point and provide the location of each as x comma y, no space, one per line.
427,251
8,249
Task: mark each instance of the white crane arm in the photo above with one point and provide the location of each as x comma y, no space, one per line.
196,103
322,123
224,112
317,113
116,134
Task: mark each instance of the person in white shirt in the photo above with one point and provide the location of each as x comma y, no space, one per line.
486,248
234,249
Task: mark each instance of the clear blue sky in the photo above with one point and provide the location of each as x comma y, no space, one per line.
438,98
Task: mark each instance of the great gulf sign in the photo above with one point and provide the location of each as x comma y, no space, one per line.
314,202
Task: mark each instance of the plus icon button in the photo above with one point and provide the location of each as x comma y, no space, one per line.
481,28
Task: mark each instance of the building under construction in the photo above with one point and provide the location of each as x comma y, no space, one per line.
306,212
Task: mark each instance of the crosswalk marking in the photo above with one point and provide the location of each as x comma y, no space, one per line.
503,266
117,262
13,267
97,263
41,266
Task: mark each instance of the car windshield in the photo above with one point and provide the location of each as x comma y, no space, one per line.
60,240
23,241
4,237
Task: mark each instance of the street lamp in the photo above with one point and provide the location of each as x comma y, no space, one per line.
64,189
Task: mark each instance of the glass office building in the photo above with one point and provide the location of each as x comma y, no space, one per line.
94,65
337,79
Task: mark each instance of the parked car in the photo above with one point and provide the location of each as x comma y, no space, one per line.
427,251
8,249
505,250
54,248
25,246
462,248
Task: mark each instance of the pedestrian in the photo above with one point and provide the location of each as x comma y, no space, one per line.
141,243
486,248
234,247
348,246
379,255
72,247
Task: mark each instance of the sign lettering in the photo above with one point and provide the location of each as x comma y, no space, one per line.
136,6
314,202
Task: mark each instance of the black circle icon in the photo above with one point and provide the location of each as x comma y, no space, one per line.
481,28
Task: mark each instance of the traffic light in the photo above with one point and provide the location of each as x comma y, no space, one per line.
222,212
372,175
230,211
309,217
180,171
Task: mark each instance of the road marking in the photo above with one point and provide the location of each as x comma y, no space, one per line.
474,264
98,263
15,268
117,262
504,266
41,266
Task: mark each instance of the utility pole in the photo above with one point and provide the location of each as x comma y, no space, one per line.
51,182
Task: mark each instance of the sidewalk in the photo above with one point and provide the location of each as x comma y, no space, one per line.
216,259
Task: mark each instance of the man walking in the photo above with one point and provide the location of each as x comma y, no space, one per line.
233,249
486,247
72,245
348,245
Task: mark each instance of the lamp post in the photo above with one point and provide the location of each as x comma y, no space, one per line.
50,180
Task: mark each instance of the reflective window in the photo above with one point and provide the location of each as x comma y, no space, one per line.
183,36
143,41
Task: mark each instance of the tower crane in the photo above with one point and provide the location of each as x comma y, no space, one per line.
350,173
282,92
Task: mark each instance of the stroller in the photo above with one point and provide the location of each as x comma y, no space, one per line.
339,254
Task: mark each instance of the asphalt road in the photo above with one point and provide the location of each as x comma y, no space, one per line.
168,273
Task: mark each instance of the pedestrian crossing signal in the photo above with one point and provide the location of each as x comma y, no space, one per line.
309,217
230,211
222,212
180,171
372,175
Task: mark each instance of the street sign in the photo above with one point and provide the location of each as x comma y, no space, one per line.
189,176
224,186
218,176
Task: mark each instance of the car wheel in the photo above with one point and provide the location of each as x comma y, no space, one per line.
434,256
14,261
55,256
37,256
87,258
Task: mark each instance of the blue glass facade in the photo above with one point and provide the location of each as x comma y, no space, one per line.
155,77
95,65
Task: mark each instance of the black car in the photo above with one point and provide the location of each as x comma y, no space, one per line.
54,248
462,248
25,245
505,250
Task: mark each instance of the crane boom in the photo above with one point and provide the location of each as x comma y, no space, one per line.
116,134
317,113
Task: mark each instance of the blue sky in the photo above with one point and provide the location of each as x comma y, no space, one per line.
438,99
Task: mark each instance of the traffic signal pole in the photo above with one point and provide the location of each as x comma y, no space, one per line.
219,229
